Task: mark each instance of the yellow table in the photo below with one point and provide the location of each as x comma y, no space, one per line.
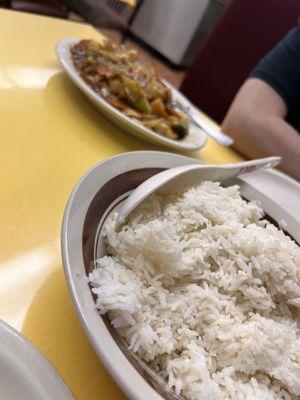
50,135
129,2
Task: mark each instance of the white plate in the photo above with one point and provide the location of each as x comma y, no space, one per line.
95,195
195,139
24,373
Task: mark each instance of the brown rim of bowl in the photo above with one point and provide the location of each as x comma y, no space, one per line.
101,201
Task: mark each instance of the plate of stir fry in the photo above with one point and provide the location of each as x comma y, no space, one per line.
130,92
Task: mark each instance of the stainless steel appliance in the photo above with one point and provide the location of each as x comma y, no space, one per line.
176,28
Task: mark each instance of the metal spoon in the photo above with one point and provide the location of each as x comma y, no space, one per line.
172,179
216,134
208,128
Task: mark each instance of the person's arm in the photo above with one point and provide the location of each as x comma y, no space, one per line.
256,122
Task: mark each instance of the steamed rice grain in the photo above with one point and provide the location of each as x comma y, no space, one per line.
207,293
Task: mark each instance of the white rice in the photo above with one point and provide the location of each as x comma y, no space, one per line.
207,293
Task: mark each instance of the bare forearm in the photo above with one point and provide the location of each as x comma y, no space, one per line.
263,136
256,121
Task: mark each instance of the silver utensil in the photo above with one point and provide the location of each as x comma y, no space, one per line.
219,136
216,134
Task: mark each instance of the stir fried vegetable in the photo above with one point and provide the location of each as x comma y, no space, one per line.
116,74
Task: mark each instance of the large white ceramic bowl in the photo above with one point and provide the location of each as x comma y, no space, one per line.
100,190
24,373
195,139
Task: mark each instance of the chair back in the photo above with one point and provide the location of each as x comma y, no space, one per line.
245,32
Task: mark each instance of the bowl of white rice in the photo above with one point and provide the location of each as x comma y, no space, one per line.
198,295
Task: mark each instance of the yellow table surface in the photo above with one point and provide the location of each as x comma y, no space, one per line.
50,136
129,2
